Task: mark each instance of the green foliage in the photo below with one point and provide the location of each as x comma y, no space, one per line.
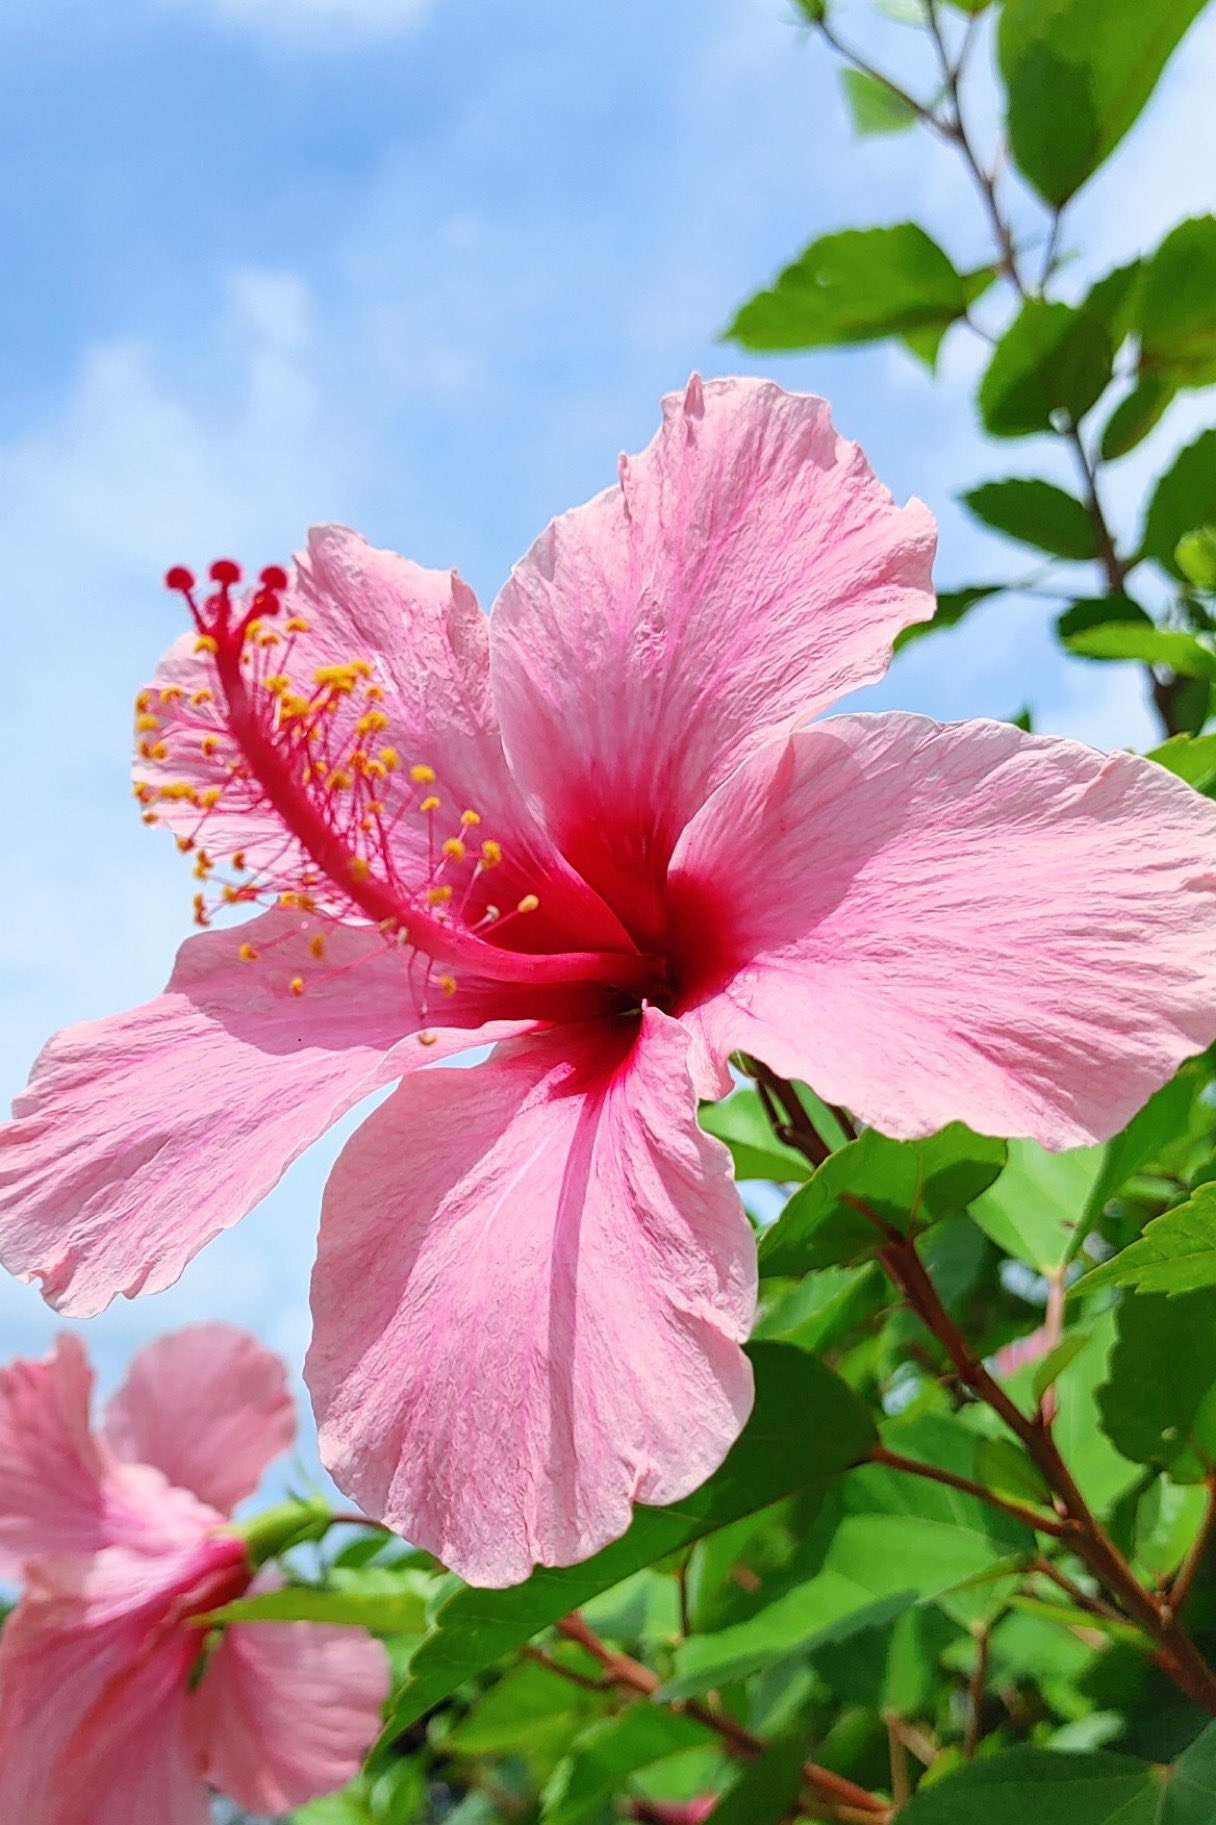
1052,359
874,105
1176,1253
1077,73
1035,513
1184,499
1159,1406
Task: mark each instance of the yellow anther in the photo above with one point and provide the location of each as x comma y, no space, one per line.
144,723
277,683
336,677
296,985
371,722
200,910
178,788
430,804
359,867
297,625
391,759
209,744
144,792
438,896
143,702
454,848
247,954
234,896
376,769
269,638
529,903
491,913
316,944
206,643
238,860
340,780
470,817
491,853
185,844
367,823
154,750
253,629
448,984
423,775
374,693
427,1039
199,697
203,865
169,693
150,817
358,760
209,797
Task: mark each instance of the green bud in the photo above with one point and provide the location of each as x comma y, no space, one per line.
276,1530
1195,557
813,11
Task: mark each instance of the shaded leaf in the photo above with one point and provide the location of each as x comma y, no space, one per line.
953,605
857,286
1159,1404
1134,417
1036,1210
1077,73
1195,556
1177,318
1036,513
1176,1253
1039,1785
1052,359
740,1121
605,1755
1184,499
767,1789
907,1184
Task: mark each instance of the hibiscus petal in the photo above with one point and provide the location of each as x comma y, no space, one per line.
532,1282
52,1477
234,1395
934,923
747,571
286,1711
144,1135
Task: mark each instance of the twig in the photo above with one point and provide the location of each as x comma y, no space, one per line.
901,1782
977,1686
1085,1600
1184,1583
1055,1525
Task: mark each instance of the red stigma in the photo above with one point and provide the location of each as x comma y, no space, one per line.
179,578
274,578
225,573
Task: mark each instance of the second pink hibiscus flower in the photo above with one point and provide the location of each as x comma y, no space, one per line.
592,830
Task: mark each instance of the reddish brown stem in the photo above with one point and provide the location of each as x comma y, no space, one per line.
1184,1583
1055,1525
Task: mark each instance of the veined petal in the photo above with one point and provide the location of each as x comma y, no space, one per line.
209,1407
52,1476
532,1283
145,1134
287,1711
747,571
934,923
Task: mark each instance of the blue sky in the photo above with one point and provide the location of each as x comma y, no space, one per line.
424,268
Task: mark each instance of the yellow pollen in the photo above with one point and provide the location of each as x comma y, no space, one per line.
277,683
209,744
247,954
203,696
157,750
269,638
150,817
297,625
203,865
340,780
337,677
169,693
491,853
454,848
438,896
427,1039
371,722
423,775
144,792
185,844
209,797
177,788
470,817
391,758
359,867
200,910
529,903
374,693
316,944
448,984
296,985
238,861
430,804
143,702
375,769
144,723
206,643
253,629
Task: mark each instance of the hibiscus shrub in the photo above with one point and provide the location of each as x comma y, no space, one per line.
780,1379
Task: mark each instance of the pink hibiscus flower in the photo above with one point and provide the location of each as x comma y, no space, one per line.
115,1708
593,830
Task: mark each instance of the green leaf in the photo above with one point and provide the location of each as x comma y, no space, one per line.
1134,417
857,286
822,1307
1077,74
531,1708
605,1755
1036,1210
1185,498
1036,513
1190,1785
1176,1253
874,105
1195,557
1140,640
1035,1784
953,605
1052,359
740,1121
766,1791
1098,611
1190,757
900,1541
806,1427
1053,1365
908,1184
1159,1405
1168,1516
1177,309
1115,300
383,1611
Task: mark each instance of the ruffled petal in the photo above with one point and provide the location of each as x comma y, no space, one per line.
747,571
532,1283
933,923
209,1407
423,641
145,1134
52,1476
287,1711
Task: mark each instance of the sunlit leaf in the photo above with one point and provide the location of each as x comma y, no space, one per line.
1035,513
1053,359
1184,498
